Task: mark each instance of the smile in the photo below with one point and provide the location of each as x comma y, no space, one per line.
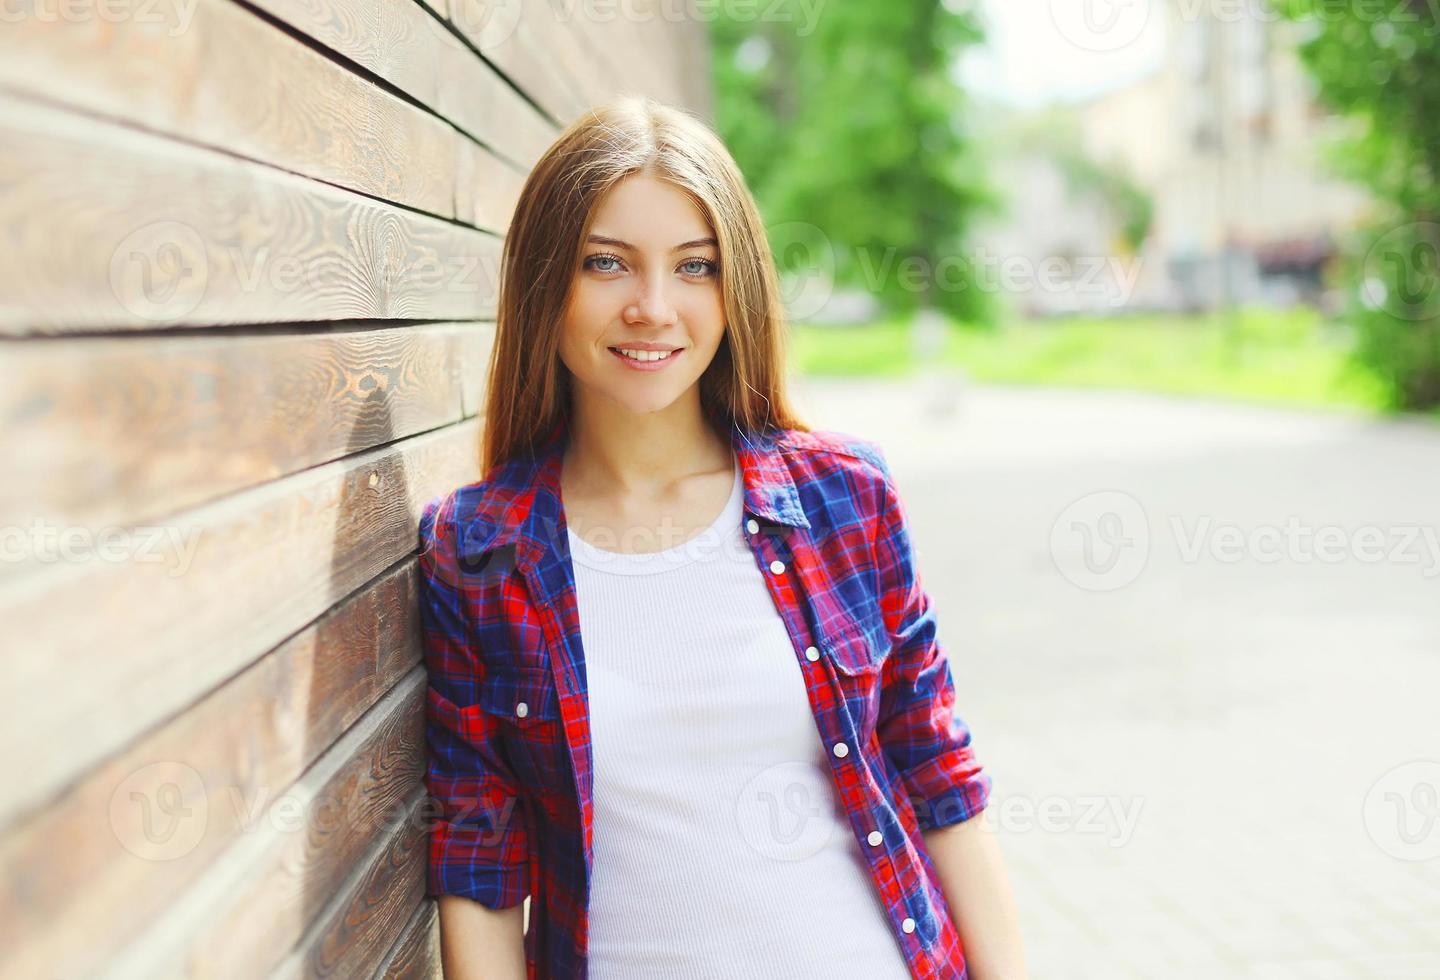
645,360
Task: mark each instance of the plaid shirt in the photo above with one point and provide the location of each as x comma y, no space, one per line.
509,760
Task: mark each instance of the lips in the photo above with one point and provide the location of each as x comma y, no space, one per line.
656,364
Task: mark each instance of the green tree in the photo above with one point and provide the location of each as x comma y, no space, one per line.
1379,65
852,134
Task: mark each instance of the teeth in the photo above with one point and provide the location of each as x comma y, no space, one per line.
644,355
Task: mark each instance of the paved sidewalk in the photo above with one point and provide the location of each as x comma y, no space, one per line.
1199,647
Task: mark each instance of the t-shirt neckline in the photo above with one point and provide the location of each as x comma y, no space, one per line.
649,562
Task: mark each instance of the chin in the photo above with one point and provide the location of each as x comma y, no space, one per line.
645,406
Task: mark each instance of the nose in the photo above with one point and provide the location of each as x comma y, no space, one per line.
652,304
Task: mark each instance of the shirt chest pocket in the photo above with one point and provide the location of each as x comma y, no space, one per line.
523,701
857,654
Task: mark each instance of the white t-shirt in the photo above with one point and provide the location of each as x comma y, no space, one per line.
720,846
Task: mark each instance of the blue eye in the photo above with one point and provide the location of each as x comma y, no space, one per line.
603,257
707,268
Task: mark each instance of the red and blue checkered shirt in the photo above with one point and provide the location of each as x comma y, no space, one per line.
507,728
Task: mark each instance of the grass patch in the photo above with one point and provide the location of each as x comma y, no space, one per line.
1273,356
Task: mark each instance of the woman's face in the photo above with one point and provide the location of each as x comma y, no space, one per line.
648,277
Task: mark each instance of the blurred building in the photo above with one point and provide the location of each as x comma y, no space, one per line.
1228,138
1225,141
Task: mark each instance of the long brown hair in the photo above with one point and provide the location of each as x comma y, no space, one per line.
528,389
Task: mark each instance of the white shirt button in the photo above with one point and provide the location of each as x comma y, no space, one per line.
812,654
875,838
522,709
777,567
841,750
908,925
753,526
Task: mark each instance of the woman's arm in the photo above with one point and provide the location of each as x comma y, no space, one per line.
972,875
930,746
481,943
478,848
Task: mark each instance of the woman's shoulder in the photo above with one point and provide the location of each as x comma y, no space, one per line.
835,448
448,516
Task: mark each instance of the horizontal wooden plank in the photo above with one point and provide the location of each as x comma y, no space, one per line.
200,601
570,55
86,865
416,955
122,431
486,188
411,48
529,45
113,228
189,71
369,915
305,856
632,43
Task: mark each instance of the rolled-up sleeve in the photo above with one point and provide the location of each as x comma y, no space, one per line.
918,727
478,844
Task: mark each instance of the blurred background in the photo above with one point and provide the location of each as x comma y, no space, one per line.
1226,198
1141,297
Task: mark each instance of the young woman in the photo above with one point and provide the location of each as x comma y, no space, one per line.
685,689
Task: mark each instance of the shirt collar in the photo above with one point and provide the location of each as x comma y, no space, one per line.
521,506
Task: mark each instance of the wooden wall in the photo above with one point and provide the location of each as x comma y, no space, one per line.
246,303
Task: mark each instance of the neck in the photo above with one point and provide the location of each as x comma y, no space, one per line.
613,452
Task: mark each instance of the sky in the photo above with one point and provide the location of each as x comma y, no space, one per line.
1040,51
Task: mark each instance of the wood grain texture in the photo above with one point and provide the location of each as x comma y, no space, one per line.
132,641
340,842
416,955
246,320
118,229
369,915
486,187
114,850
412,49
190,72
121,431
527,45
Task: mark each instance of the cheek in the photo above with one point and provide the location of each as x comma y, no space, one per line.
584,319
706,315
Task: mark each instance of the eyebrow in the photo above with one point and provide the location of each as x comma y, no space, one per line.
697,243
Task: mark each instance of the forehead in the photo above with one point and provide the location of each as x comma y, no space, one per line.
649,213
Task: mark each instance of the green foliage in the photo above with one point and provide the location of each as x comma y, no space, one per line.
853,137
1260,355
1395,303
1379,65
